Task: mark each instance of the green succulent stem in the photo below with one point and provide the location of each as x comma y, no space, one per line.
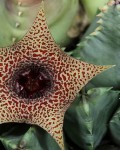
101,46
17,19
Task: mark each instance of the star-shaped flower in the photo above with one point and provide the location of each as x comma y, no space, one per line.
38,81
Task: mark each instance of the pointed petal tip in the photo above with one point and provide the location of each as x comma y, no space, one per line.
104,68
108,67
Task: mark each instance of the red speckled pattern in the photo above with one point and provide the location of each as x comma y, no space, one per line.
69,76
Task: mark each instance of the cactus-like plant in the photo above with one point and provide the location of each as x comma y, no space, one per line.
98,47
17,19
88,117
102,46
38,81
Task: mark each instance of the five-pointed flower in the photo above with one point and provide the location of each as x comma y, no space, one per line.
38,81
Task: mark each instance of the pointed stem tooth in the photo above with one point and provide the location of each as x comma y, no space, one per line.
94,33
86,106
99,28
20,13
110,3
89,126
91,132
88,37
19,3
13,39
100,21
100,14
105,8
63,48
92,145
17,24
78,44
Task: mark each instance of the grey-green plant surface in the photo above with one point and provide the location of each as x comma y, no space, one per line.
94,117
16,19
114,127
102,46
87,119
27,138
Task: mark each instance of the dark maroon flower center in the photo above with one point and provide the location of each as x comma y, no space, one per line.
32,81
